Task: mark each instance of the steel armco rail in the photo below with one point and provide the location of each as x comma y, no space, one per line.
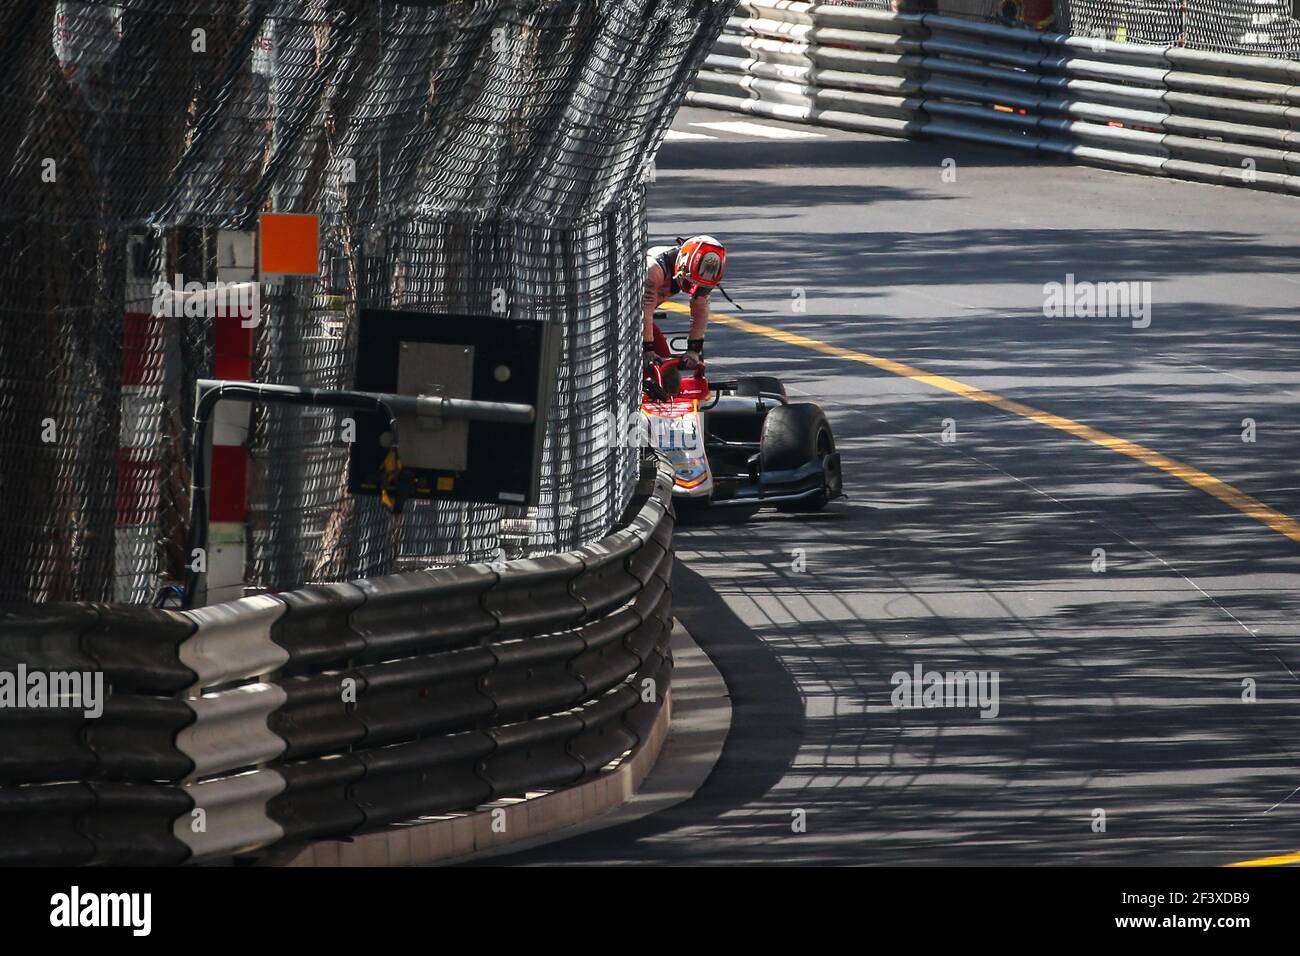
336,709
1166,111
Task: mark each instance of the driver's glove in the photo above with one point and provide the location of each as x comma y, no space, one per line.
693,357
649,357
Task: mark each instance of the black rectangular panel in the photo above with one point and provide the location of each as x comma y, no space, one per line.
502,460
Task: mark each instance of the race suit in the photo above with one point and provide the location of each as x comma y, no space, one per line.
660,286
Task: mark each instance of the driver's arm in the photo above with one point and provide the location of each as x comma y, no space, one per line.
699,320
653,296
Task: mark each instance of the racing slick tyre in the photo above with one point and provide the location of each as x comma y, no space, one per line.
794,435
756,384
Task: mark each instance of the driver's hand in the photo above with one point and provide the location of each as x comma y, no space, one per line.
692,361
649,357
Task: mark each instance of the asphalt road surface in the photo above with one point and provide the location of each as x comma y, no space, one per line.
1095,510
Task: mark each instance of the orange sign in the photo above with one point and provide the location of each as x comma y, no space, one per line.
289,244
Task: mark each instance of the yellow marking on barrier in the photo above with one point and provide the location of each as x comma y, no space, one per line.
1270,861
1202,481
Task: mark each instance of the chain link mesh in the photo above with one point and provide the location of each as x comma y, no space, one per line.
459,154
1250,27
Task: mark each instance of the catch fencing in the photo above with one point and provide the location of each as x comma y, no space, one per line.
1248,27
484,157
337,709
1170,111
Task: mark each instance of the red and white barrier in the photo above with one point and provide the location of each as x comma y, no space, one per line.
228,461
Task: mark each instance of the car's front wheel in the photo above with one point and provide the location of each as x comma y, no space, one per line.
793,436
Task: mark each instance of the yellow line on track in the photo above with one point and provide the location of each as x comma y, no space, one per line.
1270,861
1202,481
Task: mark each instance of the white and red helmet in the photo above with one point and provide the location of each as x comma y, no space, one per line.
701,261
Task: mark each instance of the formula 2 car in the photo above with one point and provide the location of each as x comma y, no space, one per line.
741,444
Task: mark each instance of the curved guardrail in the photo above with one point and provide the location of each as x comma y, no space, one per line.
335,709
1170,111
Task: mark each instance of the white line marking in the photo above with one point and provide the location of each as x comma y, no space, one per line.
676,134
758,129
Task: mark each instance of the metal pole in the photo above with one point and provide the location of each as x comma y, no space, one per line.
208,392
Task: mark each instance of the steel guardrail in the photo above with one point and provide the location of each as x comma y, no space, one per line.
339,708
1167,111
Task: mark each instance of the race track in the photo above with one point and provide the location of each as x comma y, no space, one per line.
977,505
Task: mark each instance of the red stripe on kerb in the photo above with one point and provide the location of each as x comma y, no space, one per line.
141,349
137,486
233,345
229,499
